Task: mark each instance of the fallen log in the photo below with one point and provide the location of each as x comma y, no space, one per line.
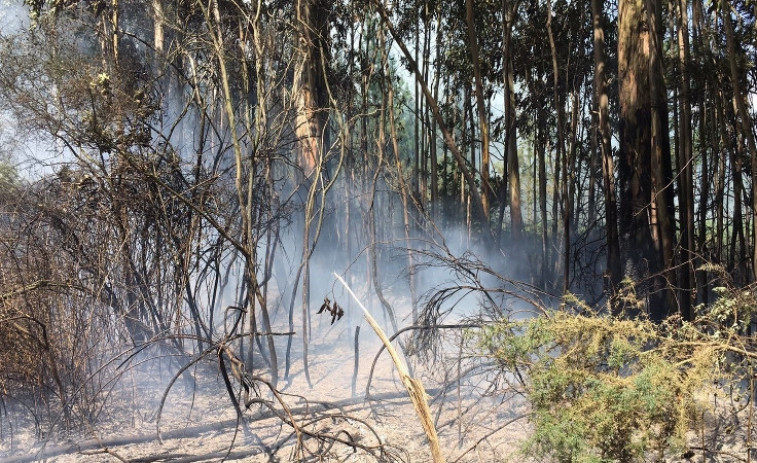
191,458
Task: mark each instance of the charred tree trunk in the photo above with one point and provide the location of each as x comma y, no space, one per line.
560,155
310,125
661,167
635,177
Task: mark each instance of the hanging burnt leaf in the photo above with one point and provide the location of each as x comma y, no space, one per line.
326,306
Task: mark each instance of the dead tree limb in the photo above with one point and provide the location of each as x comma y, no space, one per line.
357,359
488,435
404,330
414,387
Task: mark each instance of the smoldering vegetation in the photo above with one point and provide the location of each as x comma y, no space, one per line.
163,267
181,184
91,354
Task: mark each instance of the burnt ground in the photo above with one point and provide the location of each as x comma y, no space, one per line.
475,418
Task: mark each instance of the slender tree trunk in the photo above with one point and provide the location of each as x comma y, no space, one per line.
662,169
614,269
560,154
686,160
568,187
464,137
740,104
158,33
542,134
483,119
720,174
310,124
378,170
114,19
705,189
706,120
423,115
416,181
446,168
738,243
404,194
432,137
593,162
468,108
513,169
256,130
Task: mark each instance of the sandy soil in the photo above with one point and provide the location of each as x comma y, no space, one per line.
200,421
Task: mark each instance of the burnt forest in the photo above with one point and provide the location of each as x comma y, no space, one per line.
378,231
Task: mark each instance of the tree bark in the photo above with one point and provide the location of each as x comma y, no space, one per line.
740,104
686,152
513,170
661,168
309,81
481,105
310,125
635,124
614,270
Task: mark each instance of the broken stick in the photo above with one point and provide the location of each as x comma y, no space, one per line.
414,387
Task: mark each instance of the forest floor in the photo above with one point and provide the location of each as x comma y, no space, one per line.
474,420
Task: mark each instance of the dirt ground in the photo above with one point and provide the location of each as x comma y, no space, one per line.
475,419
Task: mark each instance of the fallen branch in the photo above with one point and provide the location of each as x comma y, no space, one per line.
39,284
489,434
414,387
107,451
357,360
178,458
194,431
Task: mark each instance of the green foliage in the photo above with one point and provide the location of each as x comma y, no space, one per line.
732,312
8,175
606,389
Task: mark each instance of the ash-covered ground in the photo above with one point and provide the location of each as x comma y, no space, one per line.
475,414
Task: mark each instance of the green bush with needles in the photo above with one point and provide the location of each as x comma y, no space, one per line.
606,389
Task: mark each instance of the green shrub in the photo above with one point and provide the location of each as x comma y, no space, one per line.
606,389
